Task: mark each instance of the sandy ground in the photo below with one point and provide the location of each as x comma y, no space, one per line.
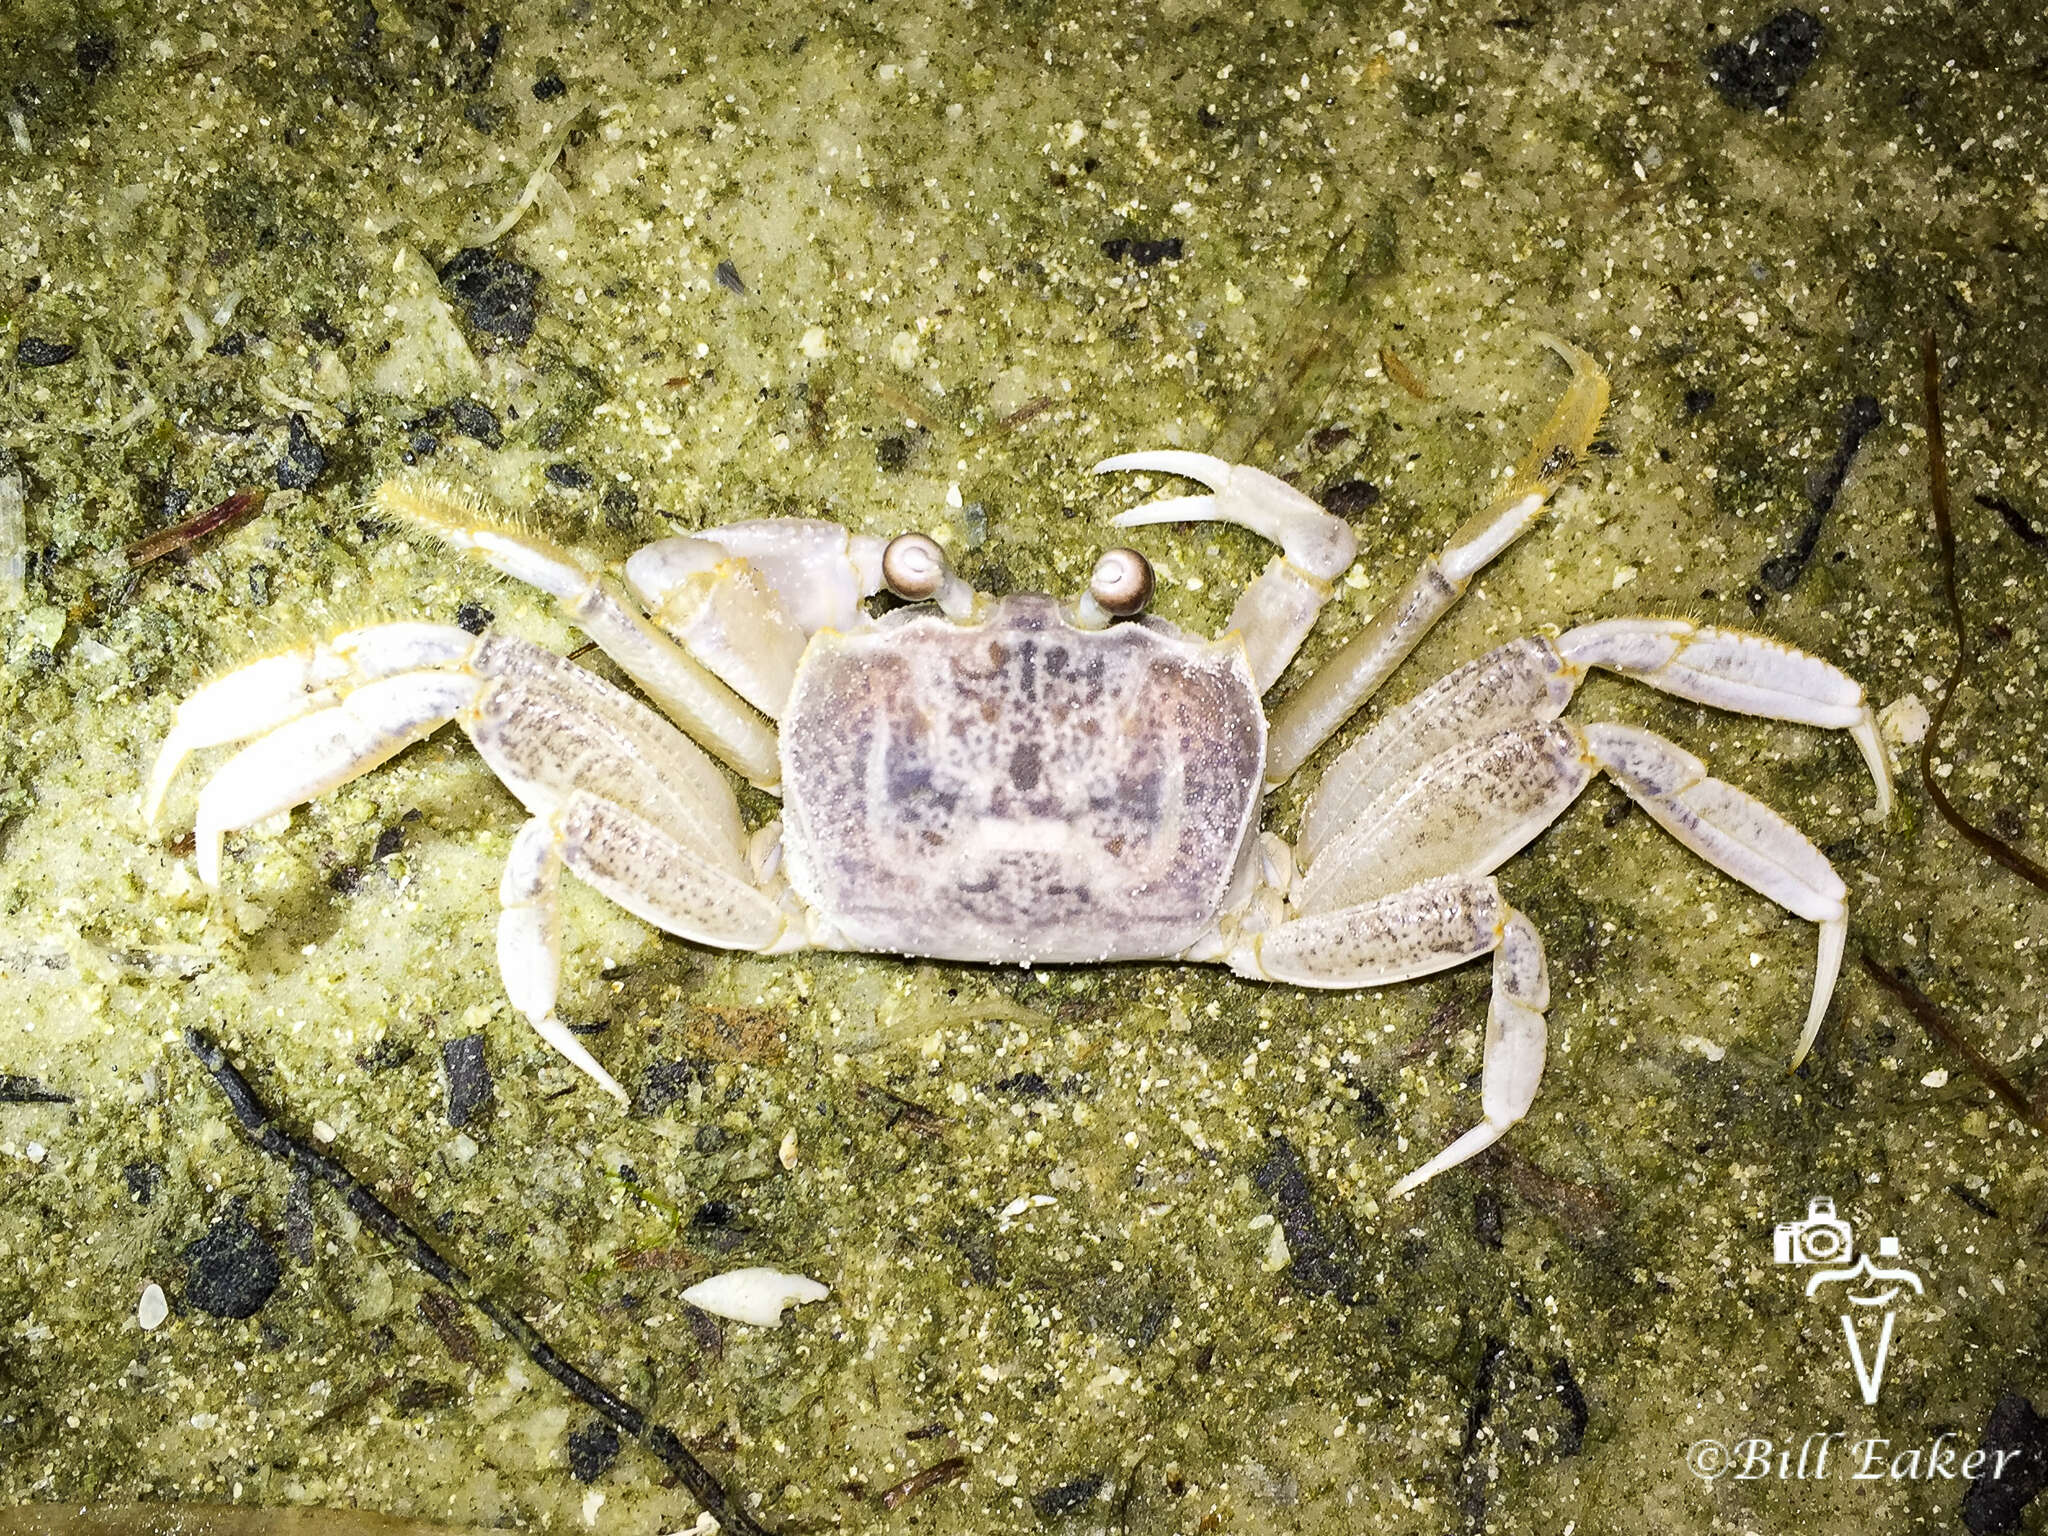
1128,1257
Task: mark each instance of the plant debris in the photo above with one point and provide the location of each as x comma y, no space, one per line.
275,1142
936,1475
222,514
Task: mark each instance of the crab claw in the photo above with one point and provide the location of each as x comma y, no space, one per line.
1313,541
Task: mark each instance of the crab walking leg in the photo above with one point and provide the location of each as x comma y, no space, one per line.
1738,835
1534,679
530,945
1472,808
1275,613
1333,693
690,695
321,751
1735,670
268,693
1415,932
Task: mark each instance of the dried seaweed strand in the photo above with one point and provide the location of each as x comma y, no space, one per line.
1944,529
918,1482
1922,1007
228,510
394,1229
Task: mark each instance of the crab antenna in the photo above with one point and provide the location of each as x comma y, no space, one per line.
1313,541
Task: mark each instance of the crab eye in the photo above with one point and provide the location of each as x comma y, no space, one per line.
914,568
1122,582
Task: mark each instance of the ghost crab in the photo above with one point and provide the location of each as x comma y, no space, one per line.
1028,781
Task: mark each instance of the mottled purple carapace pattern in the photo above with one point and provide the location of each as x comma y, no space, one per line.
1018,789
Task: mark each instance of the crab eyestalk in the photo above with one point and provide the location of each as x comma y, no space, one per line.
1119,588
915,569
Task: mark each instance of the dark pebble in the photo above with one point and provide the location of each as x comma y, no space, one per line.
143,1180
93,54
474,617
1757,71
1319,1252
389,841
668,1081
233,1270
621,505
1329,437
36,352
477,421
343,879
592,1450
304,460
1145,253
892,453
1348,497
1489,1221
572,477
497,295
1067,1497
1698,401
714,1216
1993,1504
234,344
729,277
469,1079
424,445
549,87
710,1139
1026,1085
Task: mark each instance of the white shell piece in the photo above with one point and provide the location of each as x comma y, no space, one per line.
755,1295
151,1311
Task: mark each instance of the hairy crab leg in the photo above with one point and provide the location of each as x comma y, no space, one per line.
1473,807
1427,928
1335,690
711,712
1534,679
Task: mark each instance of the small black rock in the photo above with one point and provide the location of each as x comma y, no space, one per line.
1698,401
477,421
1347,497
1149,253
573,477
668,1081
389,841
1758,70
1067,1497
93,54
710,1139
469,1079
234,344
729,277
549,87
621,505
1994,1503
233,1269
474,617
39,352
497,294
143,1180
304,460
892,453
1026,1085
593,1447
